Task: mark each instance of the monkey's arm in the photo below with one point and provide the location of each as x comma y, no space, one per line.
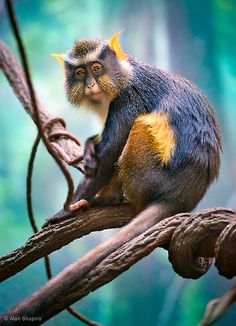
106,153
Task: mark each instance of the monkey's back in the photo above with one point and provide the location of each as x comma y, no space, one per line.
173,150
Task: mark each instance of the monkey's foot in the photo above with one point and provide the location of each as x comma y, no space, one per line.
64,215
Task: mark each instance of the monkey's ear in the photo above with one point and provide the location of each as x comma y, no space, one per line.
115,46
60,58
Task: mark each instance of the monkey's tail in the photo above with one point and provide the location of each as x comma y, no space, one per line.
52,295
142,222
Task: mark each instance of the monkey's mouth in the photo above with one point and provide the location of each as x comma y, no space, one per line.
95,96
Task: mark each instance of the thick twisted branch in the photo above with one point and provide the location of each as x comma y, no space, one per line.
89,273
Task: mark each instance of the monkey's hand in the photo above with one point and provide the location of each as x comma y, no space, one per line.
90,158
78,203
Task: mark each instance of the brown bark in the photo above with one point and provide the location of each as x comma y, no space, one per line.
56,236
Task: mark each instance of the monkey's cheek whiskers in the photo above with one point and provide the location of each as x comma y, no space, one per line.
75,95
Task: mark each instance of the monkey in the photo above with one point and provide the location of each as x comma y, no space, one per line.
160,146
159,149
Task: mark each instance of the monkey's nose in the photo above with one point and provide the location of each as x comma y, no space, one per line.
90,85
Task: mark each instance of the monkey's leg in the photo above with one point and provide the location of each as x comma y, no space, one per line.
141,171
147,173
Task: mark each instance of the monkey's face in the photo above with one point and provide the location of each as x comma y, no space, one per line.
95,72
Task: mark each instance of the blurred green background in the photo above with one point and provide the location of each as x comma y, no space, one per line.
196,39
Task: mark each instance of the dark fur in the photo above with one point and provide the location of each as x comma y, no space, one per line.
196,158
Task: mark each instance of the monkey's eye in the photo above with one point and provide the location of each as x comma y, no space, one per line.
96,67
80,72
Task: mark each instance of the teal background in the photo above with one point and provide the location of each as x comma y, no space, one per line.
193,38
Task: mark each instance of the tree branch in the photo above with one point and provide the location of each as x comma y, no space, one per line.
56,236
82,277
216,308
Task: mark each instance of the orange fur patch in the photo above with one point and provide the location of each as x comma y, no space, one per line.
160,133
115,46
108,86
151,142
